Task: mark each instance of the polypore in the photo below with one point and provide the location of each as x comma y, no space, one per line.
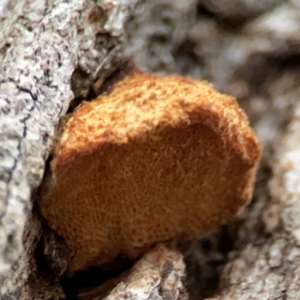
156,159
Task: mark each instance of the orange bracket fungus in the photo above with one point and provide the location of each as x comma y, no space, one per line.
156,159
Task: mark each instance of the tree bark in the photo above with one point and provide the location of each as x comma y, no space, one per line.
45,45
52,51
157,276
245,51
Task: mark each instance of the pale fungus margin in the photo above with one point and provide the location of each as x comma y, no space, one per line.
159,158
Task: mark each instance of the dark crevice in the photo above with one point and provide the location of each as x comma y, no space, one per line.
104,41
289,62
75,103
100,85
186,57
47,180
231,24
80,83
203,12
260,69
125,69
45,273
93,278
204,261
232,16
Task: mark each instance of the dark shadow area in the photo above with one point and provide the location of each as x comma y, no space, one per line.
232,24
231,16
262,68
84,282
99,86
187,59
204,260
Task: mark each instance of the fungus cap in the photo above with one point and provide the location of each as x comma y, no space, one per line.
157,159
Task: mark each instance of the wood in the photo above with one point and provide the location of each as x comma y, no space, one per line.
270,270
158,275
43,43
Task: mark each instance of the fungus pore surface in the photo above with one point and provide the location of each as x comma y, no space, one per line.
157,159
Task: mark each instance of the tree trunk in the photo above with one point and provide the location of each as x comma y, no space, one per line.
47,48
53,51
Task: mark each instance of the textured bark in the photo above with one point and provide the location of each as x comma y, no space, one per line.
249,49
158,275
271,270
244,50
43,43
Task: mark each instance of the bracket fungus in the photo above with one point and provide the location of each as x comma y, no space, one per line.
156,159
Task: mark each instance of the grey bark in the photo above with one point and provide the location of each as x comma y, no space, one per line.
42,44
245,50
271,270
158,275
255,61
52,50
